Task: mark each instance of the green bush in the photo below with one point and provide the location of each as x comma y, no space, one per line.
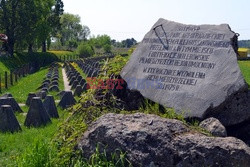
85,50
107,48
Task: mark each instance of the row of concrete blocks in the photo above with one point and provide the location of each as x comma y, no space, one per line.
76,81
92,63
39,113
67,99
50,82
90,69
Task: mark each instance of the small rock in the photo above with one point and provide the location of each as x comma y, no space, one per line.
214,126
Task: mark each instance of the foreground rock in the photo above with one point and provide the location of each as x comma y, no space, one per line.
150,140
192,68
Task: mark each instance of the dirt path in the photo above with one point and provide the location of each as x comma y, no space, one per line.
65,81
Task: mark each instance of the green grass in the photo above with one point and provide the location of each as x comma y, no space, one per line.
14,145
245,69
27,84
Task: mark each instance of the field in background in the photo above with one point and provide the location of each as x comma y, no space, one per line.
244,52
245,69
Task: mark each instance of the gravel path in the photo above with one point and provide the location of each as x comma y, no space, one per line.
65,81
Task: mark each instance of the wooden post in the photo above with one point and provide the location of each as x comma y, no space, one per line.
0,84
15,74
19,73
23,71
11,77
6,80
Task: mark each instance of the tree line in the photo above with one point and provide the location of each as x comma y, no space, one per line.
29,22
244,43
41,24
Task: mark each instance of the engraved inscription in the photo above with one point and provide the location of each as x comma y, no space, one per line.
187,48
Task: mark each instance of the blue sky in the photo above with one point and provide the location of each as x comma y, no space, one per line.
123,19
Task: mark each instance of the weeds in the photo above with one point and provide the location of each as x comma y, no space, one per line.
102,159
39,154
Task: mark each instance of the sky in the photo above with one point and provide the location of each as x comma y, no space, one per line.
122,19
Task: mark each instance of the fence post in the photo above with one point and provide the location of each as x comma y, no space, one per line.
0,84
6,80
15,74
19,73
11,77
23,71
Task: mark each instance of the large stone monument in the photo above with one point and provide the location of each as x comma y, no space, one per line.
192,68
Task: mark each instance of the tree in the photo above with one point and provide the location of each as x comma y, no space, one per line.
35,22
102,41
85,50
72,30
29,20
129,42
50,24
9,21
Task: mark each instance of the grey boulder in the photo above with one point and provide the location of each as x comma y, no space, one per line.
149,140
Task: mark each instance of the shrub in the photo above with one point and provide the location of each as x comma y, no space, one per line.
107,48
85,50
